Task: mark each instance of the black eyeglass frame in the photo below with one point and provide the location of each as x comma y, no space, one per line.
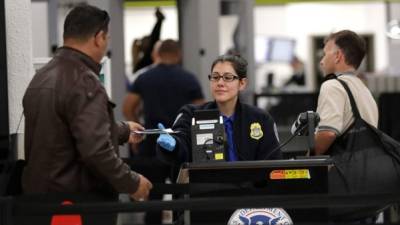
234,77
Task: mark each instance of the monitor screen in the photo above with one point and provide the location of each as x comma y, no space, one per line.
271,49
281,50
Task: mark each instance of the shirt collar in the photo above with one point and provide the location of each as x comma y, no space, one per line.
344,73
230,118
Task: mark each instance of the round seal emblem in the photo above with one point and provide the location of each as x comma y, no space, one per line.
263,216
256,131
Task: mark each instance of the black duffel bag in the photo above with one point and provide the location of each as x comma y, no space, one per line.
366,161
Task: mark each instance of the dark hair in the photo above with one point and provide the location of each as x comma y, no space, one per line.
352,46
85,21
169,46
239,64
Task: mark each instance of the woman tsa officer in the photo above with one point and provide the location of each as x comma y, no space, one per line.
251,133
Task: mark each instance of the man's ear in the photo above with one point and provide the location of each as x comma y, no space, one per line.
338,56
100,38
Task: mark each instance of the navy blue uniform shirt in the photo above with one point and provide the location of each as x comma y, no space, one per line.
228,124
164,89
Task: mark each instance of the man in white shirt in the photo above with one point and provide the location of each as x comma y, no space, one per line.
343,53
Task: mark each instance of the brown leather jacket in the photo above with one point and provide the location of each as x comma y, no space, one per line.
71,137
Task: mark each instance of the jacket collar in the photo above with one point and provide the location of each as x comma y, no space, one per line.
238,107
76,54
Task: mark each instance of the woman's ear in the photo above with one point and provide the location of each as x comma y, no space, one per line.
242,84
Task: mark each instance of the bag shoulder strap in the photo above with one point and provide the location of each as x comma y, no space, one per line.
354,108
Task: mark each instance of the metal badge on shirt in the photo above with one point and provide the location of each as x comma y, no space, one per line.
256,131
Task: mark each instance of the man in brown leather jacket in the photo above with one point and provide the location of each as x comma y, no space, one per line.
71,137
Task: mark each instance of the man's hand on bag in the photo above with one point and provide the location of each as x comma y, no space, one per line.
133,137
142,193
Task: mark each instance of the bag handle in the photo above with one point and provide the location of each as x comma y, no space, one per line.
354,108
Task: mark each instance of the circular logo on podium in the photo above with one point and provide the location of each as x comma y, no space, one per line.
264,216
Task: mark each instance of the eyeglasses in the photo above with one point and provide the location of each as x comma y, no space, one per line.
227,77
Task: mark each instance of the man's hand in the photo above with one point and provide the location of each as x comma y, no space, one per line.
135,138
142,193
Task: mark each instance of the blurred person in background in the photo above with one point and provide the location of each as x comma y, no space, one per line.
161,90
142,49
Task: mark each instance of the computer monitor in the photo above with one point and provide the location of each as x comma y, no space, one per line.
281,50
274,49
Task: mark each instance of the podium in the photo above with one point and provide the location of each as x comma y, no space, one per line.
274,177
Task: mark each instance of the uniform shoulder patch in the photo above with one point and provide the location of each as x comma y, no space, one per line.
256,131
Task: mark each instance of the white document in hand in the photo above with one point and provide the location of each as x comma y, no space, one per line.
156,131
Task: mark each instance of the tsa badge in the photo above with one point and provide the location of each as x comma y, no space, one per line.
256,131
273,216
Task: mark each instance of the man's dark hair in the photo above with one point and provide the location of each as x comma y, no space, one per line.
85,21
239,64
169,46
352,46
